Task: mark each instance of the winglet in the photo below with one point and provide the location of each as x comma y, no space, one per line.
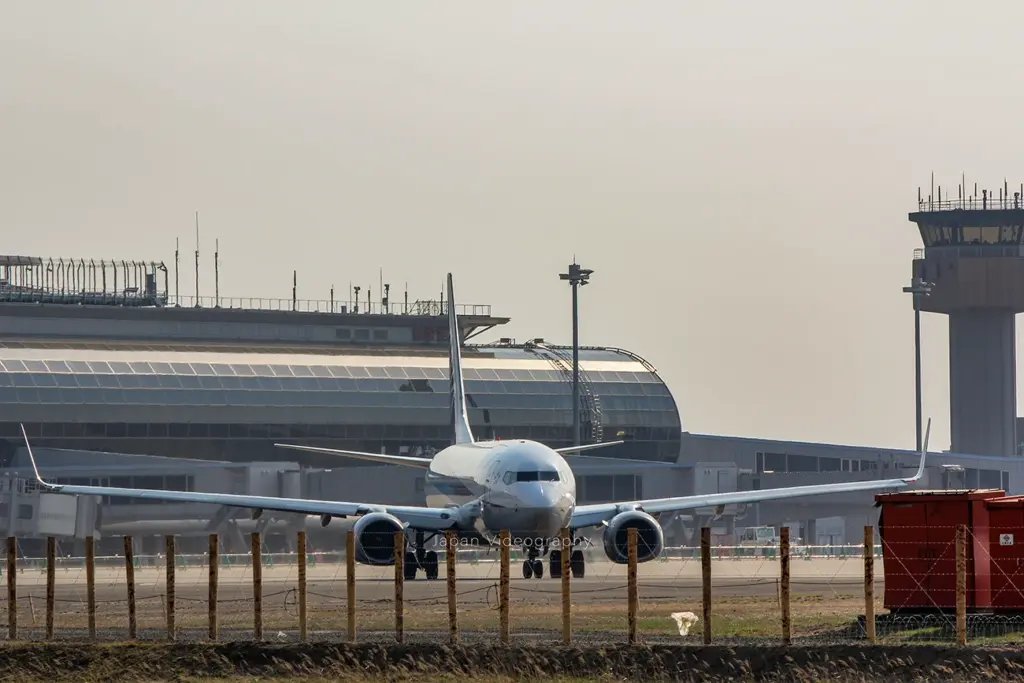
32,459
924,454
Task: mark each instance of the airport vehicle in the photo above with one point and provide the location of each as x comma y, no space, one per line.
758,535
479,488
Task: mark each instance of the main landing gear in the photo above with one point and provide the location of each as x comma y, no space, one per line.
577,564
534,567
418,558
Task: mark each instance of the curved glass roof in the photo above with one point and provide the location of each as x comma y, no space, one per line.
142,380
239,369
86,361
252,375
32,348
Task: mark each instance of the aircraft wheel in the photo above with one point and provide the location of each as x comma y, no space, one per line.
555,564
528,569
538,568
577,563
430,565
409,570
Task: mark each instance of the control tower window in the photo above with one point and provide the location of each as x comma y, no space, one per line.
991,235
942,236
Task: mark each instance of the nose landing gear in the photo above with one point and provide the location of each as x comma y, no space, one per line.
532,566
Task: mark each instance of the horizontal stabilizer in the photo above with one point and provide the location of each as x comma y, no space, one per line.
624,464
590,446
405,460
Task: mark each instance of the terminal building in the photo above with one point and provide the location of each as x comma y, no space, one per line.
131,387
120,383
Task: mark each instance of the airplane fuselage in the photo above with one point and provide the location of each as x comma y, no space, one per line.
522,486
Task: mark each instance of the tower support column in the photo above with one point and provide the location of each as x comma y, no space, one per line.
982,382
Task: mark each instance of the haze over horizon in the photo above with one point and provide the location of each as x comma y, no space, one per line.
739,179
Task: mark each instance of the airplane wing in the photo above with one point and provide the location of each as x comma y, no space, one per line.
594,515
407,460
421,518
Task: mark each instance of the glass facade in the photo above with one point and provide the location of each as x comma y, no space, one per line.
233,405
955,235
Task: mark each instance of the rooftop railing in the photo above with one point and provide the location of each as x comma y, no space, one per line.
427,307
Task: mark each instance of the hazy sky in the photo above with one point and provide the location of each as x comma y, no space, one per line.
738,174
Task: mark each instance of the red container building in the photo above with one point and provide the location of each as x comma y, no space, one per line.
1006,548
918,535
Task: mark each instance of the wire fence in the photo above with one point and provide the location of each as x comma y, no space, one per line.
934,585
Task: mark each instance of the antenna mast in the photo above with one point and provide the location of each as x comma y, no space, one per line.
197,259
216,272
177,259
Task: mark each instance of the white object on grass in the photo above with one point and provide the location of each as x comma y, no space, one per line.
685,621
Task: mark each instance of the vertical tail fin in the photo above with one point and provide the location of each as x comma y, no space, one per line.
459,416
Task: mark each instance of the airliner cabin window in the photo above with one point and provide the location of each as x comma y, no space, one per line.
507,478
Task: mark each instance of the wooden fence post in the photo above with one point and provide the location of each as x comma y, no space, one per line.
350,581
504,540
90,583
565,556
213,585
129,571
51,583
12,588
257,586
451,544
399,585
169,541
787,627
301,541
961,584
869,583
631,605
705,571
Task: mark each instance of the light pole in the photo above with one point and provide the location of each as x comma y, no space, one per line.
918,288
577,277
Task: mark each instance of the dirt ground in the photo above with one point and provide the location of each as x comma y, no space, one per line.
746,629
422,662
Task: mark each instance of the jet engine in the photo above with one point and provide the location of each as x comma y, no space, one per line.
375,538
649,537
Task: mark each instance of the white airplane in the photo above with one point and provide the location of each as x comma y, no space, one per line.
478,488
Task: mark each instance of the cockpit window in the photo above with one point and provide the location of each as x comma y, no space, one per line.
534,475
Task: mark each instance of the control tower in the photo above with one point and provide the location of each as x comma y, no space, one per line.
973,263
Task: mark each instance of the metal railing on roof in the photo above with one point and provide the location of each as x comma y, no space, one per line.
422,308
996,203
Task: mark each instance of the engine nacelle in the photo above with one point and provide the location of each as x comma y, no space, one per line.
375,538
650,539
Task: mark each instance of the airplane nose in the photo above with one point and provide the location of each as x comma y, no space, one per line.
537,496
548,506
